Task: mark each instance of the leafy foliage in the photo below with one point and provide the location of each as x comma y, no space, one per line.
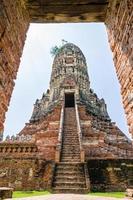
55,50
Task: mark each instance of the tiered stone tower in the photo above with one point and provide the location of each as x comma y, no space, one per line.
71,118
74,146
69,84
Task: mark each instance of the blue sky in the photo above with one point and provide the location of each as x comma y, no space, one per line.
36,63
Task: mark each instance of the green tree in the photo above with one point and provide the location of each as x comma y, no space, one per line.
54,50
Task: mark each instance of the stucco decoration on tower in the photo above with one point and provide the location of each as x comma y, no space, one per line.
69,74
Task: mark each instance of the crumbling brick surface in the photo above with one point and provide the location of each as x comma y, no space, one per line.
14,23
115,175
102,138
120,33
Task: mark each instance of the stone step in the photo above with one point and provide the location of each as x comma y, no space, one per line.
70,152
66,121
66,175
71,148
72,173
71,143
70,134
70,190
69,179
70,159
74,184
69,166
70,155
73,125
71,139
74,169
69,173
76,164
65,159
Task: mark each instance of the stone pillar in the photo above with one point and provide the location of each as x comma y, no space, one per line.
14,22
119,24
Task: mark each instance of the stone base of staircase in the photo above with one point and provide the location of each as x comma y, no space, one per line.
70,190
70,178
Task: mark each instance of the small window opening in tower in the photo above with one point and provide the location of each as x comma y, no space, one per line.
69,100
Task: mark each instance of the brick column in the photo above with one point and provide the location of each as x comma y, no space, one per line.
14,23
119,24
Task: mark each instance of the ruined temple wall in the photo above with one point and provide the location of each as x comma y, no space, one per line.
102,139
28,173
45,132
110,175
119,24
18,173
14,23
22,168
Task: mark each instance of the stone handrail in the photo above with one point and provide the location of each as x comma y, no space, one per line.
82,153
59,144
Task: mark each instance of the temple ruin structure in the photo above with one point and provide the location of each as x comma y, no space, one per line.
16,15
70,143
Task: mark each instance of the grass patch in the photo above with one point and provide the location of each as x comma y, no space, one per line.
19,194
108,194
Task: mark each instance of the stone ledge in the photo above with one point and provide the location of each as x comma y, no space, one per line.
129,192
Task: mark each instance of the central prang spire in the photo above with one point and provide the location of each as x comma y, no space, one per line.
69,73
69,80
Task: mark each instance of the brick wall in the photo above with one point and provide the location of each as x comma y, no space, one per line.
26,173
102,138
110,175
120,32
13,26
45,133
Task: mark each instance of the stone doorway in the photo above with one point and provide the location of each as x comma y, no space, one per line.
69,100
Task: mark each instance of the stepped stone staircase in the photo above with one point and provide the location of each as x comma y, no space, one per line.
70,176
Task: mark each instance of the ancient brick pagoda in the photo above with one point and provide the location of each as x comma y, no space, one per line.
72,144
